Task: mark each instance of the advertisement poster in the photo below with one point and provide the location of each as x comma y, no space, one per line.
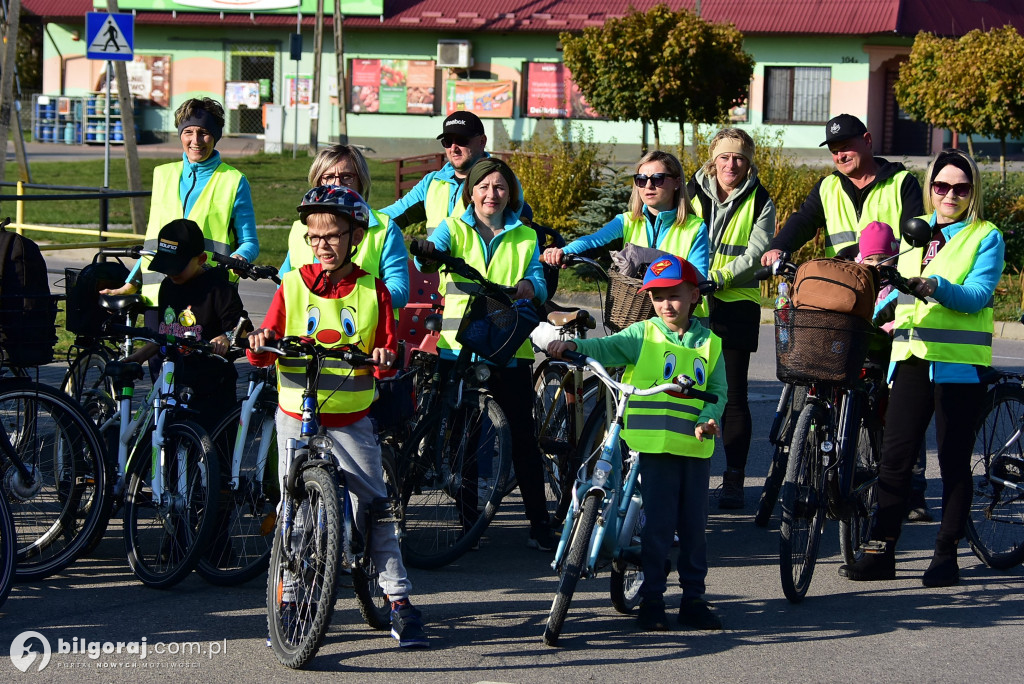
392,86
242,94
305,90
486,99
551,93
149,78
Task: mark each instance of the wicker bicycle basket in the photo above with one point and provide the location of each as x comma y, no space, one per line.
495,329
625,304
814,346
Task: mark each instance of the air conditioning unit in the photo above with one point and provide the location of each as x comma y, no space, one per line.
454,54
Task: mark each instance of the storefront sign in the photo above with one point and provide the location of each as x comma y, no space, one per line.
551,93
369,8
392,86
486,99
149,78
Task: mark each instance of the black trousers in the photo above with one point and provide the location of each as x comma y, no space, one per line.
737,323
913,400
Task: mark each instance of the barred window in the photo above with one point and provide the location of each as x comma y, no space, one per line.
797,94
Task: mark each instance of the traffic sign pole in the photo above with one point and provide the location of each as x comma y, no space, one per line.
106,138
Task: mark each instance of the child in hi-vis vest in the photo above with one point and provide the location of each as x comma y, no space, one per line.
673,433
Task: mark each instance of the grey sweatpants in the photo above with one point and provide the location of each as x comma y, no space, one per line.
358,455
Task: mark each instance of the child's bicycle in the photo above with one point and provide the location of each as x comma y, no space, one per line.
317,534
604,521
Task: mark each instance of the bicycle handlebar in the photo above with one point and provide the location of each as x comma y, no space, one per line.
684,383
247,270
164,339
578,260
306,346
461,268
892,276
133,252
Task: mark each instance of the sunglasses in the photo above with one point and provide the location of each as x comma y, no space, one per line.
959,189
447,141
657,179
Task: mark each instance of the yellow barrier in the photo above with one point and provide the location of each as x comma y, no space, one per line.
120,239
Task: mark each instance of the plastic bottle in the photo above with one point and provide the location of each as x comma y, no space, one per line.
69,133
782,303
782,299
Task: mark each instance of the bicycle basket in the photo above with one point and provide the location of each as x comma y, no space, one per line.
395,402
819,346
495,329
625,304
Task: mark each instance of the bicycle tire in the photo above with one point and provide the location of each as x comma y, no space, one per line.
444,517
627,578
995,527
247,514
69,501
803,510
161,560
297,628
856,529
577,555
8,549
86,373
780,457
374,604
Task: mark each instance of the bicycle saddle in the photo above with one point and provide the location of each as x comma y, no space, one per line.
123,372
121,303
563,318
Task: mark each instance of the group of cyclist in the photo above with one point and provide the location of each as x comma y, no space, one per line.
346,271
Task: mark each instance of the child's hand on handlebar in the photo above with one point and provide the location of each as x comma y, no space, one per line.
126,289
524,290
923,287
258,338
553,256
219,344
708,429
556,348
383,356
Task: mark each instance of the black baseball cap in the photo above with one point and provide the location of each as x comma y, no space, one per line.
178,242
466,124
843,127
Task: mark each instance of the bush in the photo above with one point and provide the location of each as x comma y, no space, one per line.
610,198
558,175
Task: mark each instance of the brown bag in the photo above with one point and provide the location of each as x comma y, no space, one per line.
836,285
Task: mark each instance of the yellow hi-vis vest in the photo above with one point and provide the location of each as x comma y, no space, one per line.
931,331
661,423
367,255
677,241
734,243
341,387
508,266
212,211
842,222
435,203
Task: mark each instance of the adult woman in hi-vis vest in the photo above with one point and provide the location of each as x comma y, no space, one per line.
659,215
938,350
740,217
202,188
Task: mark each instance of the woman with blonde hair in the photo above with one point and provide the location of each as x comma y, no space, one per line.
659,215
740,217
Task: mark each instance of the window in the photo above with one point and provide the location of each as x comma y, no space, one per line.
797,94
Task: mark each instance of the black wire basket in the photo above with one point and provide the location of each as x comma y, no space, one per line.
819,346
494,329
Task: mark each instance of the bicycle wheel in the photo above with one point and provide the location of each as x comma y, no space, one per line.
66,500
626,577
247,511
995,528
8,549
86,374
374,604
164,539
856,529
803,510
577,555
300,585
780,455
453,480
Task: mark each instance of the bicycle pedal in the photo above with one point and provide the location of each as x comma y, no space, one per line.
873,546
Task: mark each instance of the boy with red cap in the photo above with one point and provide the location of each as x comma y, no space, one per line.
674,434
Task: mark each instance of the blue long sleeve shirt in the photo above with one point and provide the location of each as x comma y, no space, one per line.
394,270
657,228
972,296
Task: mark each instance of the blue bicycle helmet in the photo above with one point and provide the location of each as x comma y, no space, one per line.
338,200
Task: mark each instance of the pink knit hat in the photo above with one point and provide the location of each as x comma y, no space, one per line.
877,238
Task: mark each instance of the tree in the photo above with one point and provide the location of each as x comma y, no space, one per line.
1000,53
658,66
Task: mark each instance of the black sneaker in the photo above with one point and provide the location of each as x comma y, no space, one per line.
872,567
696,614
407,625
651,616
943,571
541,538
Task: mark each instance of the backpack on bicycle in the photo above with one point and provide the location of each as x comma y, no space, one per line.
836,285
27,311
85,316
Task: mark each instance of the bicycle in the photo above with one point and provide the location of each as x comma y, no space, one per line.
780,436
995,528
455,467
8,549
604,521
316,532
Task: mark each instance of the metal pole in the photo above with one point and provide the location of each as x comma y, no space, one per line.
295,103
106,136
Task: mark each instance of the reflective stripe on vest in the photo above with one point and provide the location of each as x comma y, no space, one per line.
734,245
842,222
437,201
212,211
663,424
367,255
507,266
931,331
340,387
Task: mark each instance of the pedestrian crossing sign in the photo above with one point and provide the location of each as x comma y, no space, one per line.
110,36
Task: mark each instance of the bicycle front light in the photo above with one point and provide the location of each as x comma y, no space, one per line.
185,394
482,373
321,443
602,469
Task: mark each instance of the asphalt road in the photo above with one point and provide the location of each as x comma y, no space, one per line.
485,613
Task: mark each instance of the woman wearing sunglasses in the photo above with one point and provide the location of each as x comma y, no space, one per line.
938,349
382,251
659,216
741,222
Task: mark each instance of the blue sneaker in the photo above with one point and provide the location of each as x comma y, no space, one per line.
407,625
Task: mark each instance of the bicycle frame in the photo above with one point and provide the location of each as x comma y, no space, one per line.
253,395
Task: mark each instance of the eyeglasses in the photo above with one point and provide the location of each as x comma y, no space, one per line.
658,179
332,240
959,189
346,179
449,140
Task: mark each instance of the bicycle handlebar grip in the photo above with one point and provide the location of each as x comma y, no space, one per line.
575,357
706,397
763,273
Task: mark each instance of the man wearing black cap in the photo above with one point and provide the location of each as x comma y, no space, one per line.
862,189
439,194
